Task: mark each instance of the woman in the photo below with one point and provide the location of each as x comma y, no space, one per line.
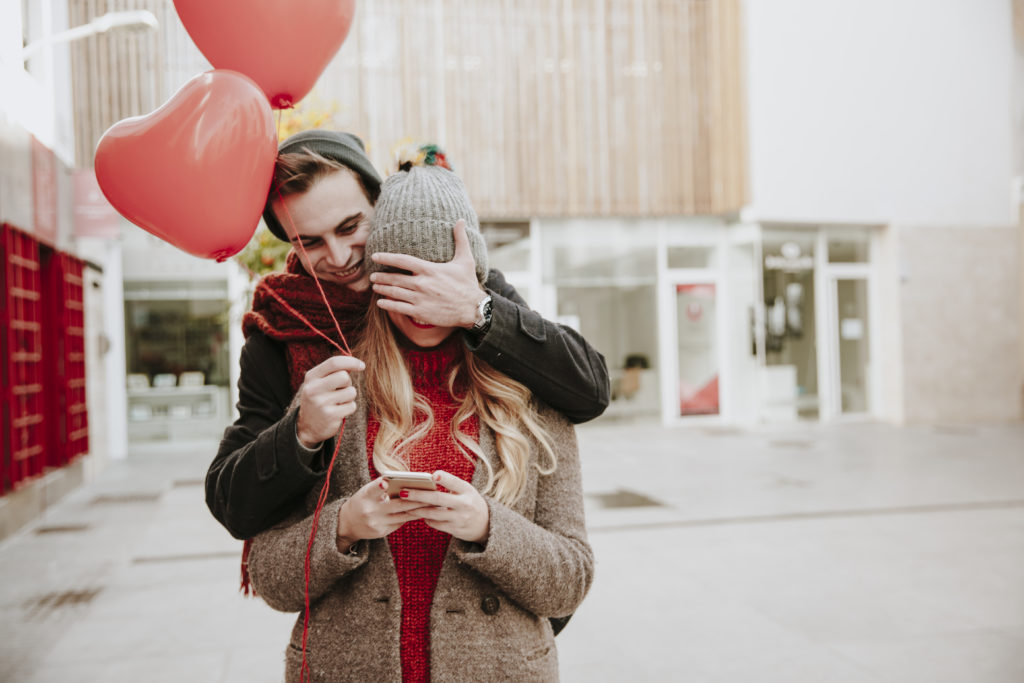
448,585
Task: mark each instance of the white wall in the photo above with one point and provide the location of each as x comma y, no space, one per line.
881,111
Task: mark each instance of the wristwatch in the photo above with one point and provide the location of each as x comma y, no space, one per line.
483,316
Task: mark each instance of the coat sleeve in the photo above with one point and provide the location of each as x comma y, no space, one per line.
278,555
546,565
554,361
259,471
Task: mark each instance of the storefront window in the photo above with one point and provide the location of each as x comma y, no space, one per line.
849,246
600,252
508,245
692,257
605,277
176,345
175,337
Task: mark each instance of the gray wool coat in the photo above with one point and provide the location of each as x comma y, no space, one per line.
489,614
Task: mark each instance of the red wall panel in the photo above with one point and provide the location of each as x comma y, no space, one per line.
42,359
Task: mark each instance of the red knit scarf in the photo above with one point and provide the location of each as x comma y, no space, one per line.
296,289
289,308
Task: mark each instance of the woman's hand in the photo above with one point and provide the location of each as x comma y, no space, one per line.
326,397
462,512
371,513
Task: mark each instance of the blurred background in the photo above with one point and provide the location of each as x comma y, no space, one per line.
764,213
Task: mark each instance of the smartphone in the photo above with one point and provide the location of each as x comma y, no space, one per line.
408,480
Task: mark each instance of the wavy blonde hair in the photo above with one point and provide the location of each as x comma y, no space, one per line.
499,402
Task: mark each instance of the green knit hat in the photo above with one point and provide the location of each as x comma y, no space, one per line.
417,209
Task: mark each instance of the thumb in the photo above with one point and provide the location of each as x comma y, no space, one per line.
462,248
451,482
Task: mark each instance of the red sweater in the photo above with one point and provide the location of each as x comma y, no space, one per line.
418,550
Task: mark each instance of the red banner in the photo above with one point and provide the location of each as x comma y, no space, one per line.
94,216
44,192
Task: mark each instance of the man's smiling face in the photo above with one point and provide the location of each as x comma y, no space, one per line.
332,221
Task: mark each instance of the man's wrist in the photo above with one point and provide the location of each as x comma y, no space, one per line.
303,443
482,322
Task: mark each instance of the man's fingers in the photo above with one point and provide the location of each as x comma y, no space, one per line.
394,280
334,364
463,250
336,381
402,262
403,307
394,293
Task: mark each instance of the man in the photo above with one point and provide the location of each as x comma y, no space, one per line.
295,389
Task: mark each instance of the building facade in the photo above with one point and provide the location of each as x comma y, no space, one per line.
758,211
50,299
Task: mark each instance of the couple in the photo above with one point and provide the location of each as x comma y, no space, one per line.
462,583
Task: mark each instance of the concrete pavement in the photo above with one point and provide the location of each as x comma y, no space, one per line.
848,553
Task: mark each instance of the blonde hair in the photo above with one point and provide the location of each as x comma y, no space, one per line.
499,402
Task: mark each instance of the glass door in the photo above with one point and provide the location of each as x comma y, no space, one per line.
851,340
789,381
696,312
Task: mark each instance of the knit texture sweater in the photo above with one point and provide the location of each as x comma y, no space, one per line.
417,549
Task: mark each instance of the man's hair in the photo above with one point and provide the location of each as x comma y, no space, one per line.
298,172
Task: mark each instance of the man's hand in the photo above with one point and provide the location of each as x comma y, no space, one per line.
441,294
326,397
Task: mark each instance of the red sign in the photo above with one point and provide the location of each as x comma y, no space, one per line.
94,216
44,192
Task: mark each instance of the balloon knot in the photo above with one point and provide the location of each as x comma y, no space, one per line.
282,102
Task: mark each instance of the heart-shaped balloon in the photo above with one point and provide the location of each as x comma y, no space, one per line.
283,46
196,171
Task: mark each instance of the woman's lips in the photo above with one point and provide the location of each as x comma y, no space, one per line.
419,324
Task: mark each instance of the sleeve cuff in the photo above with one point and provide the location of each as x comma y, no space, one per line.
304,453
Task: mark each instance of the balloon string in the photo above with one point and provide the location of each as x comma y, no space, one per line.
272,292
304,670
294,236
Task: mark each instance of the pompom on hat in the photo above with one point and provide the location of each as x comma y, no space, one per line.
417,209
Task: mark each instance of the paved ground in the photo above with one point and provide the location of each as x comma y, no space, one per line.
854,554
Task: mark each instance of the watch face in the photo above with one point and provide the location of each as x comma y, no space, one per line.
483,318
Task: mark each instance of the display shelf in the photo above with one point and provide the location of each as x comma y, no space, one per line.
177,412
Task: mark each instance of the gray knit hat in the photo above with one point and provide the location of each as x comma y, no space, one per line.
417,209
344,148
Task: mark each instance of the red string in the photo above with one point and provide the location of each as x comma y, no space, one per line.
304,671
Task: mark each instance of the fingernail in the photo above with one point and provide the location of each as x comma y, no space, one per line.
404,494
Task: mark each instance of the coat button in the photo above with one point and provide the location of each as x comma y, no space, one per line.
490,605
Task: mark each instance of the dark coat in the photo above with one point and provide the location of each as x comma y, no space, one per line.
259,471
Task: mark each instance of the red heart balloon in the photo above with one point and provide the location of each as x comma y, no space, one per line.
196,171
283,46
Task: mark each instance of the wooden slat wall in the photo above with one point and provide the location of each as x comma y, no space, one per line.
557,107
548,107
123,73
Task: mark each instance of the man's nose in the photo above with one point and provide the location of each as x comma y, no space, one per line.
337,252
